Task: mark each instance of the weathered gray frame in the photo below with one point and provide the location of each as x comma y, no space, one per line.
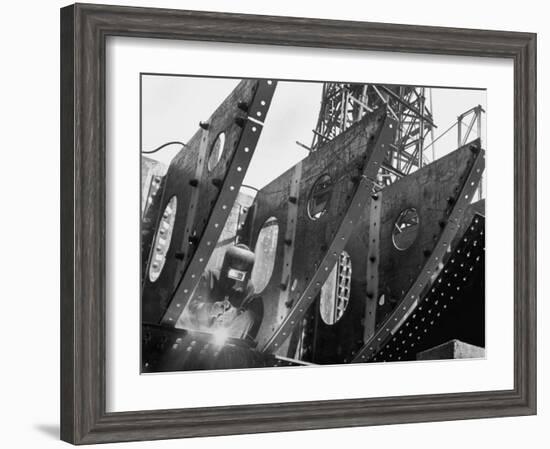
83,32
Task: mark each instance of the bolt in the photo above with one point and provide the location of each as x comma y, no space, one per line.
239,121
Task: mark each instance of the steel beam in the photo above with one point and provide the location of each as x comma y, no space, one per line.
229,189
358,205
455,292
433,263
373,259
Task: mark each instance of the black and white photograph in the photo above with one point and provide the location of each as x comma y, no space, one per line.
264,224
289,223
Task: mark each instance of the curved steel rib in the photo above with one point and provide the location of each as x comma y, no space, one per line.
432,266
358,205
224,202
457,286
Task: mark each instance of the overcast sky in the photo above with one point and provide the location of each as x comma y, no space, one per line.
172,107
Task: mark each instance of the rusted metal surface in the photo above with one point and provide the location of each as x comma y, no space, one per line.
433,193
289,246
202,189
373,262
205,193
435,259
327,205
452,308
233,177
352,159
339,343
343,160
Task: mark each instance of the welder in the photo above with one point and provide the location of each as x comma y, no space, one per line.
224,301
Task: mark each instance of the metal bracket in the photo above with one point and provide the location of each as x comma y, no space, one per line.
195,193
290,235
358,205
431,267
437,301
228,194
373,258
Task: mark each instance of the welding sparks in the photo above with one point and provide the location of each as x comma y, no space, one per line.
219,337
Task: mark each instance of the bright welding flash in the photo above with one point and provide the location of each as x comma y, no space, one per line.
220,336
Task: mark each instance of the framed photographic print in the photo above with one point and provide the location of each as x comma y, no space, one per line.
274,223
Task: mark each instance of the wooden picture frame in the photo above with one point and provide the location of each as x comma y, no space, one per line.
84,29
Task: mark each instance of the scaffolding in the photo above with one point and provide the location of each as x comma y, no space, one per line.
343,104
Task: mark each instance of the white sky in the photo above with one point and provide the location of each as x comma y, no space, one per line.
172,107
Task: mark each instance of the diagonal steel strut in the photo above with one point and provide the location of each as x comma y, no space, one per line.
233,179
432,266
357,207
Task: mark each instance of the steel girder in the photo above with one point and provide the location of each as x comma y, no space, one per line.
205,195
434,263
353,160
458,292
381,273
